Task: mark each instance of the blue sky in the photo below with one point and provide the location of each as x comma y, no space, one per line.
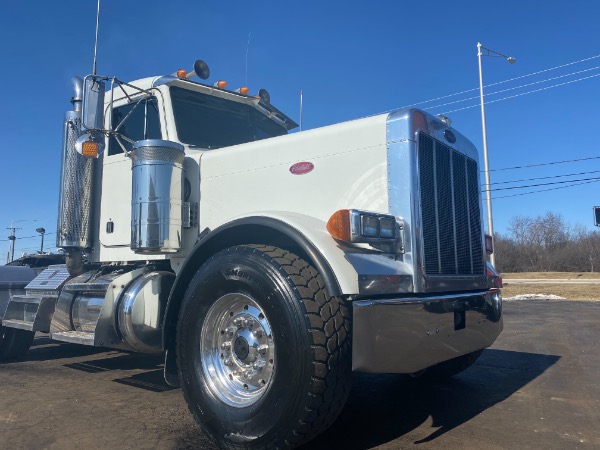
351,59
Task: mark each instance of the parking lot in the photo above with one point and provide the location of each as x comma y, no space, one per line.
537,387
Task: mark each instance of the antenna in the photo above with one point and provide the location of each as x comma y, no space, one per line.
96,44
300,109
247,49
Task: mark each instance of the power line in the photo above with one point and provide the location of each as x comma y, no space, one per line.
514,88
544,190
27,237
545,164
545,178
504,81
540,184
521,94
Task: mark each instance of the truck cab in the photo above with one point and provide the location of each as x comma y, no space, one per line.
266,266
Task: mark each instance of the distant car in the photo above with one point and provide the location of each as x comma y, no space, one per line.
40,260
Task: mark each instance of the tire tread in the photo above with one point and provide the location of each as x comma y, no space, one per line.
328,320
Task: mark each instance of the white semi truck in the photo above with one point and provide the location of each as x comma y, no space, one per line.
266,266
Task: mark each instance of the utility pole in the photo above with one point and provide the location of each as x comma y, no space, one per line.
12,239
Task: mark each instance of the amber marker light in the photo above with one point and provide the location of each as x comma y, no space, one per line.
221,84
89,149
181,73
338,225
244,90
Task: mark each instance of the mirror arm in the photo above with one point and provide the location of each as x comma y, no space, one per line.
120,84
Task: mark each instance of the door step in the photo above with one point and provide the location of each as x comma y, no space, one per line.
74,337
20,324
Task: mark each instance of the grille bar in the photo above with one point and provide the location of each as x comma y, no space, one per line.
450,210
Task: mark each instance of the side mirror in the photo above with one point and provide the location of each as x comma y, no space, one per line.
597,216
93,103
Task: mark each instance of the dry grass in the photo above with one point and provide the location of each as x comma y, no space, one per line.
553,275
587,292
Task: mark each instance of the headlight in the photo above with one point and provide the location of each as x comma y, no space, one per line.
369,226
387,228
352,225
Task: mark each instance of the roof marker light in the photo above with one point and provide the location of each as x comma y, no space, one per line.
182,73
221,84
243,90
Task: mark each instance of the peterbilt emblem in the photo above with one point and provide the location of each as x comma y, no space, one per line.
301,168
449,135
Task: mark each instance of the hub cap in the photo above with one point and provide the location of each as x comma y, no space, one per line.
237,350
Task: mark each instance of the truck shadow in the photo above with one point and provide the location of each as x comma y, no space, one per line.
382,408
45,349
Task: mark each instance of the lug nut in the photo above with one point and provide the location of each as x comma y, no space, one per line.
248,374
230,331
226,345
257,333
239,322
262,349
228,361
259,365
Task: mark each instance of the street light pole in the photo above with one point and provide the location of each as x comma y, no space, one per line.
41,231
486,168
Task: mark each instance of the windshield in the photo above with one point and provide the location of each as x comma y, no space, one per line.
211,122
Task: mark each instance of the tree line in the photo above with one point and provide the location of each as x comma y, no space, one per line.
546,244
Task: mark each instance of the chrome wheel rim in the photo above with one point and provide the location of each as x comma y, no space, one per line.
237,350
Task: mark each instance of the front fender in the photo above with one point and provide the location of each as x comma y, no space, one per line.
303,234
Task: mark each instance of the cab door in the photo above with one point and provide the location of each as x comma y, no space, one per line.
133,122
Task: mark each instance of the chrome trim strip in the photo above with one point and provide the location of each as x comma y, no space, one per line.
465,296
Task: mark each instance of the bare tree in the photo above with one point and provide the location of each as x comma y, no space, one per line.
588,246
534,244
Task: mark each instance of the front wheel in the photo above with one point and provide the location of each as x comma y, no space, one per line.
14,342
263,352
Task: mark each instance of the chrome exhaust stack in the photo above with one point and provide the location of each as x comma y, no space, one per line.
76,181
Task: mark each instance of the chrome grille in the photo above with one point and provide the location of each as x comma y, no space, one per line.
449,209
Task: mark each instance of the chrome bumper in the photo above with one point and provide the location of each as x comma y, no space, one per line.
405,335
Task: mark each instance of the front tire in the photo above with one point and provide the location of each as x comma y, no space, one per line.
263,352
14,343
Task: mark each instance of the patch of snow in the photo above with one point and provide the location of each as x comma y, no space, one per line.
534,297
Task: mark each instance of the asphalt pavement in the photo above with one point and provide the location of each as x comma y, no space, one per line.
537,387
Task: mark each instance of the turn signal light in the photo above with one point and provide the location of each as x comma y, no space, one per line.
243,90
181,73
89,149
338,225
221,84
